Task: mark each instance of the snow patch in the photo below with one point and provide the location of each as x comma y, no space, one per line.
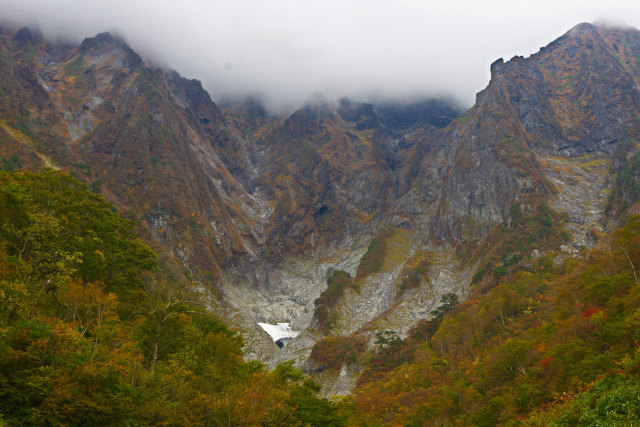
279,331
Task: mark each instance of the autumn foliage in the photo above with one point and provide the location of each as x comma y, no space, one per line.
334,351
337,283
547,344
95,331
373,258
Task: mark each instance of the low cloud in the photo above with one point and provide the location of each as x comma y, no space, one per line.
286,50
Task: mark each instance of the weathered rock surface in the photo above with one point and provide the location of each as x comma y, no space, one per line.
262,209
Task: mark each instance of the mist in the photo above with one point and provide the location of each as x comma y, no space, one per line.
284,50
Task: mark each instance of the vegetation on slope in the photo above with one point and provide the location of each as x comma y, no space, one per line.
549,344
373,258
626,189
337,282
333,352
509,243
371,262
93,331
415,272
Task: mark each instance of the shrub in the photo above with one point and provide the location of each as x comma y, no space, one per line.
333,352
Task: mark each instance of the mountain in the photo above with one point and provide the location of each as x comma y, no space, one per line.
345,220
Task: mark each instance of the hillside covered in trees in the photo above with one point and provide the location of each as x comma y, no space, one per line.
96,330
437,267
541,343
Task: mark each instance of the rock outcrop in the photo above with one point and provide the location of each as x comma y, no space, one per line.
261,209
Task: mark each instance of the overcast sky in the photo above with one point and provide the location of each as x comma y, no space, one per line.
288,49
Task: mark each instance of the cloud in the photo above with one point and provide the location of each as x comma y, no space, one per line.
288,49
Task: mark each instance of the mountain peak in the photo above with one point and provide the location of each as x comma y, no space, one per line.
582,28
601,28
106,41
26,36
102,40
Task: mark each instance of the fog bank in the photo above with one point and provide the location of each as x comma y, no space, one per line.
285,50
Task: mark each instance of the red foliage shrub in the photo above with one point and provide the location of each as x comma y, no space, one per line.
332,352
590,312
546,362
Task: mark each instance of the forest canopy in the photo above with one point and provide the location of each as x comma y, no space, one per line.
93,331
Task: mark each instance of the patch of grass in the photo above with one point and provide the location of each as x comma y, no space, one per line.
386,252
397,247
373,258
570,82
463,119
23,124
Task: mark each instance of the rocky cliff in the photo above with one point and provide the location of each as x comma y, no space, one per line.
402,196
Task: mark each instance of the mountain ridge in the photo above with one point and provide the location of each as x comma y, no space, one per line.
261,210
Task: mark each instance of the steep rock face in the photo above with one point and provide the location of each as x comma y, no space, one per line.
246,204
152,141
266,208
24,102
330,184
328,179
404,115
544,131
577,96
479,178
579,91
